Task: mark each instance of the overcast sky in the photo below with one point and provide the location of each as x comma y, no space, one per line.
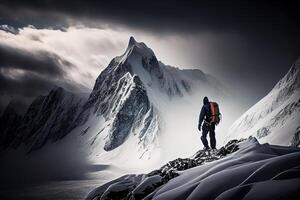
247,45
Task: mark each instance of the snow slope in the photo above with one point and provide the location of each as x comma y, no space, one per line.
255,171
277,113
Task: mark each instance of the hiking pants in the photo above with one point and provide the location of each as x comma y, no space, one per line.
206,128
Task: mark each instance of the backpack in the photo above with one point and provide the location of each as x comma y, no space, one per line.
215,113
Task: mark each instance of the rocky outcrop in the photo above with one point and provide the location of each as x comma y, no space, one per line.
296,139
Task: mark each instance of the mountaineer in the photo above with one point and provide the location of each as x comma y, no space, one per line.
210,116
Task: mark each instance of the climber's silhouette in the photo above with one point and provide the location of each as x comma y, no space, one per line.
210,116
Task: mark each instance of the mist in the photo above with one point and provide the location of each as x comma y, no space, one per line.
57,161
180,136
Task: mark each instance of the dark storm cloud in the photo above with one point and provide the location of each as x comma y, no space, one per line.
42,71
39,61
166,15
24,89
28,86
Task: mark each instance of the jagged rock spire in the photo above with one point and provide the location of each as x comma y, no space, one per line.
132,41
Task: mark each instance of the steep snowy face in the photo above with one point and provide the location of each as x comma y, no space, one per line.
120,97
131,113
279,110
118,76
140,60
47,118
160,78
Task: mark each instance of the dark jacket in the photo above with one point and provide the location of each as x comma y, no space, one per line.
205,113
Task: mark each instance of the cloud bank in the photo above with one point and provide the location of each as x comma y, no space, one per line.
35,60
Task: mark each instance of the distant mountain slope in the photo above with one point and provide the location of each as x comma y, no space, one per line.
276,118
48,118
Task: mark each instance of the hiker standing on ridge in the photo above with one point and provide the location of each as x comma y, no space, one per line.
210,116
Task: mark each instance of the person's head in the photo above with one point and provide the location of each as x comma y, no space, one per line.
205,100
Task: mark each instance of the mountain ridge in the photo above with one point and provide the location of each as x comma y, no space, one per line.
279,108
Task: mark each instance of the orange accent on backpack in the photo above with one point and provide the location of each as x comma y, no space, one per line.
215,113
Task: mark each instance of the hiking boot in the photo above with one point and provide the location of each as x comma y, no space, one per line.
214,150
205,148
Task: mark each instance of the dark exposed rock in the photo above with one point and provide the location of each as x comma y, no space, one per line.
136,103
262,132
186,86
296,138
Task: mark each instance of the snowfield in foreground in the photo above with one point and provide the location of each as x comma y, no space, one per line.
252,171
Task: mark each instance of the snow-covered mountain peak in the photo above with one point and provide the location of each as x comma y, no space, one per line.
132,41
138,47
134,52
